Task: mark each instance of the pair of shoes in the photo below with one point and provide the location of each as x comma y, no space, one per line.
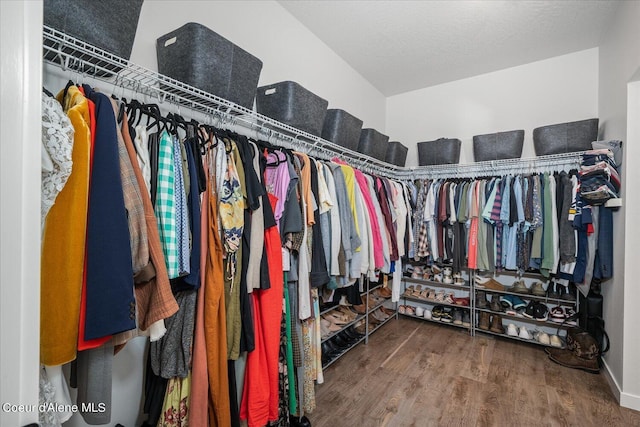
519,287
327,328
481,299
489,322
437,312
385,292
457,316
521,332
484,319
463,301
419,311
565,293
542,338
488,283
512,301
536,310
427,314
552,290
417,272
537,289
448,297
557,314
495,304
447,315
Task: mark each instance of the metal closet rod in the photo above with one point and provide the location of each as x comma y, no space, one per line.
70,53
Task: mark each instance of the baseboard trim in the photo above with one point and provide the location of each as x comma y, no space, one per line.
626,400
613,384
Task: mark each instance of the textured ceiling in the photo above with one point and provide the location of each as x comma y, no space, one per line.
399,46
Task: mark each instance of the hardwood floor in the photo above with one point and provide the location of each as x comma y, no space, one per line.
416,373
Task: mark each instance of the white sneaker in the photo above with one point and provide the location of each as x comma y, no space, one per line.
543,338
524,334
419,311
427,314
555,341
512,330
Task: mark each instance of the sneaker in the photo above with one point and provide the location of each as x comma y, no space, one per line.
537,289
419,311
529,311
459,281
520,287
506,301
542,338
517,302
524,333
448,298
446,316
439,296
427,314
466,321
554,340
431,294
540,312
557,314
552,290
457,316
512,330
572,319
436,313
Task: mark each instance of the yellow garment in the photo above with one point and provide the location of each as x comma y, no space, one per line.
350,181
63,245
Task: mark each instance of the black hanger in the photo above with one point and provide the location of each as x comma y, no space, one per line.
46,92
66,88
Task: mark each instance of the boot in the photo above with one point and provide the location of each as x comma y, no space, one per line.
481,300
496,324
483,320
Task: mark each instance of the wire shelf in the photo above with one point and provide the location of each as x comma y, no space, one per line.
70,53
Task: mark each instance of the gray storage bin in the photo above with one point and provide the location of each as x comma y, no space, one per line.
108,24
373,143
565,137
496,146
342,128
439,152
290,103
396,153
199,57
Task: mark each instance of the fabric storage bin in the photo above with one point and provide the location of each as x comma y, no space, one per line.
565,137
496,146
342,128
396,154
439,152
373,143
290,103
108,25
197,56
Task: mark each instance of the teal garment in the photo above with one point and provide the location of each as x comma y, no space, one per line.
165,207
293,402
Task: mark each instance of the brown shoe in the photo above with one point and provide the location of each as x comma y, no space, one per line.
488,283
481,300
373,321
483,320
538,290
385,292
360,309
496,324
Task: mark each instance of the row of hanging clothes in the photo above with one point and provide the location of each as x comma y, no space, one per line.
549,222
213,245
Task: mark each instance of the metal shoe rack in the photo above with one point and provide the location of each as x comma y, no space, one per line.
543,325
369,328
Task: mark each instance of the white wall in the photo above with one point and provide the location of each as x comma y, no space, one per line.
288,50
552,91
619,60
21,70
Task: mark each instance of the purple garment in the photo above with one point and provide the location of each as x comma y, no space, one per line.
277,181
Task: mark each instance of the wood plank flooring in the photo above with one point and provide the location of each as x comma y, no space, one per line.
416,373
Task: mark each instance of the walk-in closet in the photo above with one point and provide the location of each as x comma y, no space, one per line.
308,213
